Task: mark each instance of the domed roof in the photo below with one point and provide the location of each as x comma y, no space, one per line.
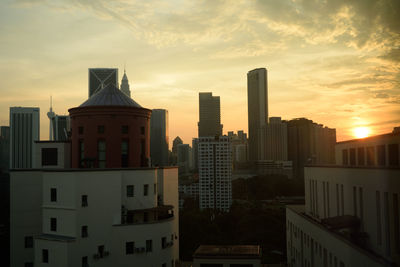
110,96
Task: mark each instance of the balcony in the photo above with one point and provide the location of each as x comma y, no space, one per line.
145,216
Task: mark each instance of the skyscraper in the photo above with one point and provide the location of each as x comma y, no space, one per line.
273,140
61,127
159,137
24,131
215,173
209,115
51,114
257,97
100,78
125,85
4,148
184,158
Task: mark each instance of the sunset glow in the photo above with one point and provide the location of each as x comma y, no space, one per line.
361,132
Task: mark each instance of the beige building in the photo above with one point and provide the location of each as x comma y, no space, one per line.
227,256
351,214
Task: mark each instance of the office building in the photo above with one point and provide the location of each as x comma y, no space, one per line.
351,213
159,137
184,157
257,104
195,154
51,114
24,131
174,153
209,115
5,194
309,143
125,85
4,148
239,149
100,78
61,127
94,201
273,140
215,173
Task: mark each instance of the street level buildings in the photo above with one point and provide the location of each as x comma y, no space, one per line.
352,210
209,115
215,173
159,137
257,103
24,131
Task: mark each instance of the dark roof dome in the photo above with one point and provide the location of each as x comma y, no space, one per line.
110,96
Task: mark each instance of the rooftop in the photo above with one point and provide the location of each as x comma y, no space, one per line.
228,251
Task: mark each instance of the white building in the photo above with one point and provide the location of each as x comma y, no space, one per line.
215,173
351,214
24,131
89,217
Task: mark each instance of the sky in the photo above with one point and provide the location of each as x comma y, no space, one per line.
334,62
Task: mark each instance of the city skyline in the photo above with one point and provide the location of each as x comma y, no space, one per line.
327,62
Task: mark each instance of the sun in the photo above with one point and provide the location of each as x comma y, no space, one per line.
361,132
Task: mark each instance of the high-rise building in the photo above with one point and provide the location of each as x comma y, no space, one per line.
111,209
51,114
174,154
125,85
195,154
184,158
215,173
257,104
209,115
273,140
4,148
24,131
351,212
309,143
159,137
100,78
61,127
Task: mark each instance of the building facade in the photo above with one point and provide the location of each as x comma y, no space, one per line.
351,214
100,78
24,131
184,152
257,104
209,115
159,137
215,173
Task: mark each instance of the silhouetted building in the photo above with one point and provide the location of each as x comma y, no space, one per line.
4,148
309,143
257,103
239,149
125,85
215,173
209,115
110,130
184,159
51,114
195,154
351,214
100,78
61,127
159,137
174,154
24,131
5,195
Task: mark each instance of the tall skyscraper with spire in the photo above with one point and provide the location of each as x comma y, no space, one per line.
51,116
125,85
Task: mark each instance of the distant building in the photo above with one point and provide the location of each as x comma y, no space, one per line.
351,214
184,159
4,148
125,85
61,127
239,148
174,153
309,143
215,173
195,154
159,137
24,131
221,256
257,103
100,78
209,115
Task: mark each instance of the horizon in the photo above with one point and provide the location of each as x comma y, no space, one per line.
329,63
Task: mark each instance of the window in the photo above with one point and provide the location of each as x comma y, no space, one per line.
101,153
81,152
28,264
129,190
352,156
378,218
45,255
53,195
370,156
145,216
142,130
381,151
155,189
345,158
124,153
393,154
100,251
145,190
84,200
84,231
124,129
80,130
85,262
49,156
100,129
361,156
129,248
53,224
28,242
163,242
149,245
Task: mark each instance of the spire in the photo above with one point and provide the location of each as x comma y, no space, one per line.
125,84
51,116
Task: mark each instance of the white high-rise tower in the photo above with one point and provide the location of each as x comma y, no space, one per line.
51,116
